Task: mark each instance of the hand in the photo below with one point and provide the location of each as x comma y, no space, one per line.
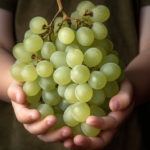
30,117
121,106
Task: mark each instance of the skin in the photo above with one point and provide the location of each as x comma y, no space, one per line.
121,105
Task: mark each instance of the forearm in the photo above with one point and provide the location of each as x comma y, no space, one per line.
6,61
138,72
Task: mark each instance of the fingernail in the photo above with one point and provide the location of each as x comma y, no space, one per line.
34,116
115,105
65,133
18,97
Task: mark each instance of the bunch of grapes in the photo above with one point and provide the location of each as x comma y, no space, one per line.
69,68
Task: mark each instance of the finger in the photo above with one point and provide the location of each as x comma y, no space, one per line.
57,135
123,99
95,142
16,93
41,126
25,115
111,121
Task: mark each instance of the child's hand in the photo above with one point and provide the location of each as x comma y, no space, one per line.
121,106
29,117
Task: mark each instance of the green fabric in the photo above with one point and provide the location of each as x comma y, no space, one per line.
123,31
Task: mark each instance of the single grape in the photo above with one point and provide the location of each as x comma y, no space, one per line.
68,118
83,92
33,43
80,111
45,110
98,97
111,58
63,105
70,93
31,88
20,54
34,99
62,75
59,45
112,71
51,97
38,25
97,80
28,33
85,36
16,70
100,31
58,59
61,90
47,50
29,73
75,15
66,35
60,123
100,13
111,89
72,46
89,130
74,57
97,111
34,106
84,7
44,68
92,57
80,74
47,83
77,130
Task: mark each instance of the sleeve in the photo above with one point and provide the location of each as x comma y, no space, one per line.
144,2
9,5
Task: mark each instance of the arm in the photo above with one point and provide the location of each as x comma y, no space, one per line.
133,90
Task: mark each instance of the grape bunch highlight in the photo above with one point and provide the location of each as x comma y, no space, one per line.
69,68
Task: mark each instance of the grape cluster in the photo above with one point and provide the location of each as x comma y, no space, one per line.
69,69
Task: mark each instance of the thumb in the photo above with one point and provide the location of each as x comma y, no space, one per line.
16,93
123,99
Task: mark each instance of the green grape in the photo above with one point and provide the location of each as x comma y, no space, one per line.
111,89
47,83
60,46
45,110
83,92
114,52
47,50
72,46
29,73
57,22
33,43
27,34
34,99
92,57
62,75
85,36
57,109
60,123
75,15
112,71
74,57
70,93
20,54
37,25
66,35
80,111
51,97
80,74
84,48
100,31
97,111
63,105
97,80
31,88
100,13
89,130
44,68
58,59
111,58
105,105
77,130
121,77
16,70
84,7
68,118
61,90
34,106
98,97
